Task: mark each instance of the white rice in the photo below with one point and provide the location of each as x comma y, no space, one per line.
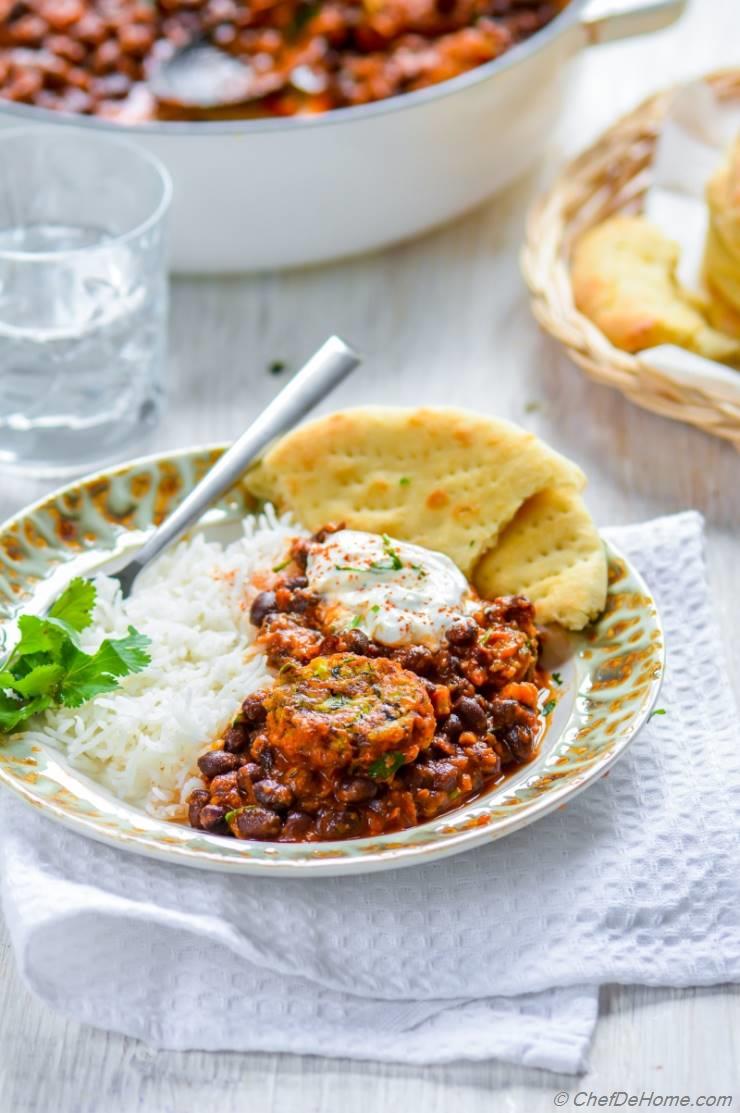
142,740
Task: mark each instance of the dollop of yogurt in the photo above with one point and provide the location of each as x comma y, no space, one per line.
395,592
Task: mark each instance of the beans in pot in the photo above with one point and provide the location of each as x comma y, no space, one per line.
306,57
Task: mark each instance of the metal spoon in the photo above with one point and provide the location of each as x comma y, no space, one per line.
326,369
199,76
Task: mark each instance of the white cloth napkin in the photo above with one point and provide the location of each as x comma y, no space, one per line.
495,953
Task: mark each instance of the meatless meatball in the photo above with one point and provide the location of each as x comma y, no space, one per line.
345,710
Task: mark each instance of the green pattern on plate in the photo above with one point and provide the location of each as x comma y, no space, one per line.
611,676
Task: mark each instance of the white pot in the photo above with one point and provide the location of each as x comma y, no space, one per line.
260,194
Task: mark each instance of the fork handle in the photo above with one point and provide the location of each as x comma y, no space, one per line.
325,370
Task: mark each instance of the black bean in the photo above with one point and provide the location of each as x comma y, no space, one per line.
236,738
519,741
296,582
444,776
262,605
244,781
303,601
198,799
211,816
462,631
356,642
254,822
273,794
453,726
357,790
472,714
216,762
224,784
419,775
253,712
416,658
296,827
343,824
506,712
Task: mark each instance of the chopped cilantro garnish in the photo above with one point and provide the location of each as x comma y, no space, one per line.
386,765
356,621
550,706
395,559
48,668
557,678
375,608
392,564
404,481
276,366
532,407
280,567
657,711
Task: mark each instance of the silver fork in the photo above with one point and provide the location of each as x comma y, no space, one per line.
324,371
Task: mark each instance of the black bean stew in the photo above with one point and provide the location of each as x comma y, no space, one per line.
359,739
96,57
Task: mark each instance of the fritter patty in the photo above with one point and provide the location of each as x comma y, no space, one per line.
344,711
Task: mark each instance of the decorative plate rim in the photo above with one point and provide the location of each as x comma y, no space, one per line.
24,768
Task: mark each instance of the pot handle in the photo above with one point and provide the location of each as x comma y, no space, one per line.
604,23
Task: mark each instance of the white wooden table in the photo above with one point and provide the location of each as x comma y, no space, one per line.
442,320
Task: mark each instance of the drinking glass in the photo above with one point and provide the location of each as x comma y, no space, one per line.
83,297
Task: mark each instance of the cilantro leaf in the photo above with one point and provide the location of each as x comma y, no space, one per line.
384,767
74,607
13,712
48,666
37,636
550,706
657,711
88,676
40,681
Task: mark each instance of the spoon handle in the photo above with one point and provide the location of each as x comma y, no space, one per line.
326,369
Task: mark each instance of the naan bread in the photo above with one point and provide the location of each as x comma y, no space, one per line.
444,478
551,552
624,280
448,479
722,251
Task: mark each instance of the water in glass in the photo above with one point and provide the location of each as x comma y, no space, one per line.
80,345
83,298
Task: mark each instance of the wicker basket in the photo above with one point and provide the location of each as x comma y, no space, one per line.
611,176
